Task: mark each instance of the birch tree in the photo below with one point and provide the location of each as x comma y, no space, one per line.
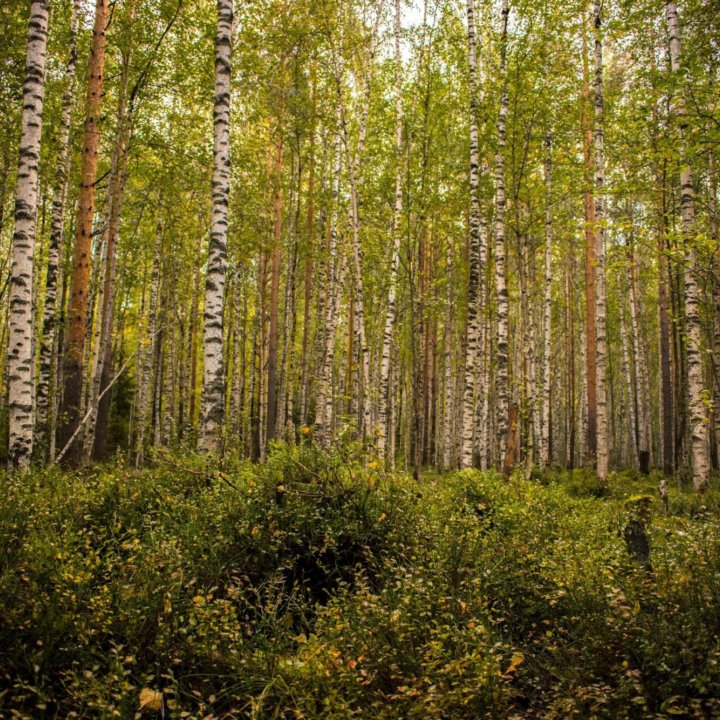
547,310
213,388
502,405
695,383
476,254
46,403
385,361
20,365
600,308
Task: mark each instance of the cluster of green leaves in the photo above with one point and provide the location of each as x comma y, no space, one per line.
319,585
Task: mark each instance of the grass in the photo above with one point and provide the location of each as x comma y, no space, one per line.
320,586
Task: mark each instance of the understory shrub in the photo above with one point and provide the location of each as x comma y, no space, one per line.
318,585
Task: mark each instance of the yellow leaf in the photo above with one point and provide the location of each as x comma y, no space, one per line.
515,662
150,700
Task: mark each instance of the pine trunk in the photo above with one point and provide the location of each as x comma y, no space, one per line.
82,251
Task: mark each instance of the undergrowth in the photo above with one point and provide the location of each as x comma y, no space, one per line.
318,585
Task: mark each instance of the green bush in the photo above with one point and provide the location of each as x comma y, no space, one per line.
320,586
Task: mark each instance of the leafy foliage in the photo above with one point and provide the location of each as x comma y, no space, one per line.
318,585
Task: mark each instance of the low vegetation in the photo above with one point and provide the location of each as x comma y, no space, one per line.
320,586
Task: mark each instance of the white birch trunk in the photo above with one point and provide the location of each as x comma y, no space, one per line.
600,306
385,361
500,283
146,355
475,289
449,409
642,387
213,389
45,400
336,269
630,395
547,310
695,386
20,365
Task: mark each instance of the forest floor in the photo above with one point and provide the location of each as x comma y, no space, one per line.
317,585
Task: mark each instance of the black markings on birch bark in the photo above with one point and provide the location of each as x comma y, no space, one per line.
20,364
212,410
695,384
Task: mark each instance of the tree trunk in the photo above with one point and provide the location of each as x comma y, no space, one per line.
46,404
502,409
385,362
547,310
324,415
590,372
213,390
476,255
602,405
642,384
102,370
146,355
631,395
272,362
80,280
20,361
695,383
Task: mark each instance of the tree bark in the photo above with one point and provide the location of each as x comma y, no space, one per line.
476,256
20,361
385,361
272,362
80,280
213,390
46,403
502,408
547,310
600,307
695,383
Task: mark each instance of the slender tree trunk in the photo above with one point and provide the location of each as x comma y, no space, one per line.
80,280
695,383
570,359
324,415
448,404
547,310
308,270
476,256
213,391
590,371
642,385
631,394
272,363
102,370
147,354
20,364
385,361
600,307
502,408
45,408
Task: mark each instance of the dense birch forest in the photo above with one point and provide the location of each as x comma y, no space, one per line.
360,359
